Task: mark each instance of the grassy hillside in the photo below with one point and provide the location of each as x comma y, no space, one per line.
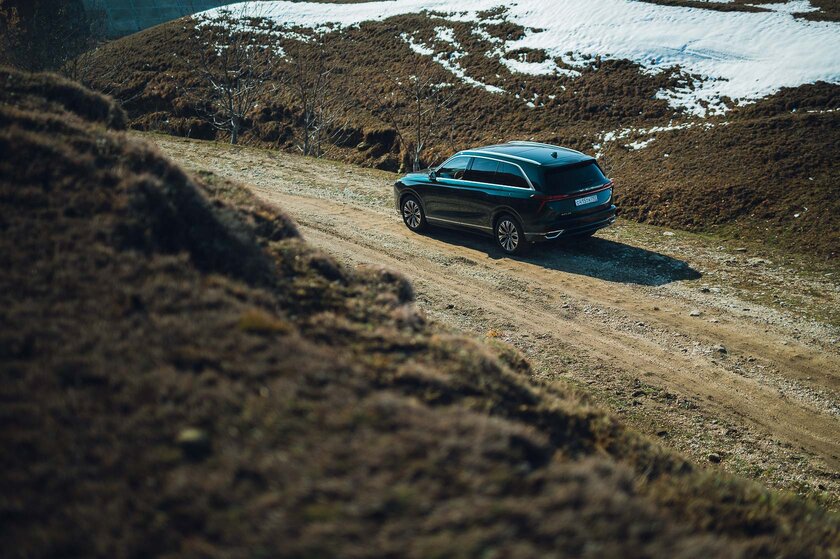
766,171
183,375
749,172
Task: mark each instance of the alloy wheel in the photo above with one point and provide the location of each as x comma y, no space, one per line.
411,213
508,235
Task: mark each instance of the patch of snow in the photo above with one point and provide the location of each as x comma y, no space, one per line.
545,68
449,63
642,144
740,55
792,7
446,34
639,134
417,47
483,34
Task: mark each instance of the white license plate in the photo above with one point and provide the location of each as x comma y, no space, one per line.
586,200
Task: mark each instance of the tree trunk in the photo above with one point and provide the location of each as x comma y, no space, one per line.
234,131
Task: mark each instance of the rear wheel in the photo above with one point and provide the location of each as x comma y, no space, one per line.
412,214
509,235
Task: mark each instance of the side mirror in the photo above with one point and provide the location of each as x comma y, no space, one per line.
432,176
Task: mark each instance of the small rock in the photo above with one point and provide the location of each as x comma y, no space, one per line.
720,348
668,234
695,312
714,320
715,289
195,443
638,393
705,290
450,306
662,434
714,457
640,323
741,249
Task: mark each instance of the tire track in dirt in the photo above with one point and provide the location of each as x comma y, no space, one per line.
346,233
611,314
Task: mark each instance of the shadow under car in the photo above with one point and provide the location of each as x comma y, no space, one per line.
589,256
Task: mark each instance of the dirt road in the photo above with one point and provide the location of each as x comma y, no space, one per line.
730,356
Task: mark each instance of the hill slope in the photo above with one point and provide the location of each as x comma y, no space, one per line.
181,374
749,166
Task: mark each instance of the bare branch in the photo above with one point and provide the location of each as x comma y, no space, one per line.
236,64
416,109
324,118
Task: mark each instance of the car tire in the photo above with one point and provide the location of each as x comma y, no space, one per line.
413,215
509,235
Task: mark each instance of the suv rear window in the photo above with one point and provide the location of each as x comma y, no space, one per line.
572,178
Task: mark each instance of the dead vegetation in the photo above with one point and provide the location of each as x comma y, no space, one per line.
234,68
183,375
748,173
827,10
767,171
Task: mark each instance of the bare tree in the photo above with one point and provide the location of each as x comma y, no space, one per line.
312,84
417,108
235,63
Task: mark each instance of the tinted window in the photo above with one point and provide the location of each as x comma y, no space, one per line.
510,175
565,180
482,170
454,168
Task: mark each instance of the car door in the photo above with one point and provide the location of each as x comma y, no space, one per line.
517,193
442,193
478,190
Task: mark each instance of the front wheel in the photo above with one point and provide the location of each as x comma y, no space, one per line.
509,235
413,215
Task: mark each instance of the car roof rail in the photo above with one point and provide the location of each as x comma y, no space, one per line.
541,144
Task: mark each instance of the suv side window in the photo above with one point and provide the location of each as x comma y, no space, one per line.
482,170
510,175
454,168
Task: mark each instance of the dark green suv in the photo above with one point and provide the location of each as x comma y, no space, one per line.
519,192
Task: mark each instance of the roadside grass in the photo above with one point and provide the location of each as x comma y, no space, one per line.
726,248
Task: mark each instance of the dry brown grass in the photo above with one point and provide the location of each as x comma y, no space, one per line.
180,374
749,178
828,10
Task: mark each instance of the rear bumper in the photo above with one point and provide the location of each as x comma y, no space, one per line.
574,225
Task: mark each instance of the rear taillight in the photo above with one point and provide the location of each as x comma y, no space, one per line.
545,199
